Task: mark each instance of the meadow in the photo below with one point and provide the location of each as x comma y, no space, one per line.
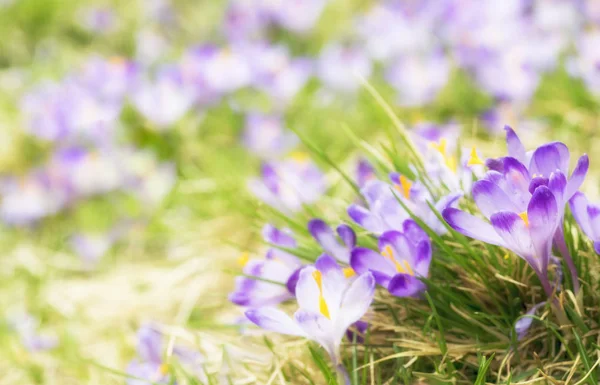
299,192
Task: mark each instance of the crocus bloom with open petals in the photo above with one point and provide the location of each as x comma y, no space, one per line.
328,241
528,233
539,165
587,216
150,368
386,213
328,304
272,280
404,258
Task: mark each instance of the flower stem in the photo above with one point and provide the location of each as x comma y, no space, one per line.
561,244
343,375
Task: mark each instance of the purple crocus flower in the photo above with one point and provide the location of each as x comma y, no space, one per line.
110,79
150,368
385,212
266,136
389,31
31,198
26,325
99,20
404,257
166,100
289,184
524,323
418,78
339,65
328,241
276,73
244,19
328,304
225,70
298,16
364,172
270,281
528,233
587,216
540,164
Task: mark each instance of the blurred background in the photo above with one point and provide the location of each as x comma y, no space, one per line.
138,140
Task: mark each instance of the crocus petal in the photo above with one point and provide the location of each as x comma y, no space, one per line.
326,238
365,219
543,221
149,344
356,301
423,258
274,320
578,176
397,241
557,185
490,198
524,323
471,226
320,329
364,260
597,247
333,282
537,182
405,285
293,281
515,234
496,165
413,231
516,176
515,147
347,235
579,208
549,158
277,237
307,290
270,178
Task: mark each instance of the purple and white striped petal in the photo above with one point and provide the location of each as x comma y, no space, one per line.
471,226
275,320
347,235
544,217
515,147
365,219
327,239
307,290
557,185
320,329
423,258
548,158
579,208
405,285
515,234
490,198
277,237
577,177
356,300
364,260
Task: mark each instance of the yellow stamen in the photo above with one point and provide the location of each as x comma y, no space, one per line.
117,60
299,156
506,256
525,218
441,147
322,303
451,163
474,159
243,259
405,186
389,254
349,272
408,268
163,369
